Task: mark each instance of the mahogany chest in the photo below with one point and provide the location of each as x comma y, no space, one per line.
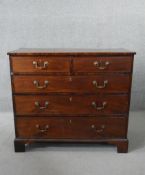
71,95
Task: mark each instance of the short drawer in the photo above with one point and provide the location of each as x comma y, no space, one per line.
41,64
77,84
103,64
71,105
71,128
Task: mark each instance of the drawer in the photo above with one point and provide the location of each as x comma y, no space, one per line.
40,64
71,128
71,105
103,64
77,84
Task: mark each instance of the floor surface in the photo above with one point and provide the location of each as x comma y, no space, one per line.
73,159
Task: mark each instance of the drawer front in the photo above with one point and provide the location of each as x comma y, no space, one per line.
40,64
71,128
71,105
77,84
103,64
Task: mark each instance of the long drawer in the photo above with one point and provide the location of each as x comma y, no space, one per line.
77,84
71,128
40,64
74,105
103,64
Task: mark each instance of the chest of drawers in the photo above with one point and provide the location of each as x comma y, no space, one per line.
63,95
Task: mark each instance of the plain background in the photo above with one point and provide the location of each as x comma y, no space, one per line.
73,24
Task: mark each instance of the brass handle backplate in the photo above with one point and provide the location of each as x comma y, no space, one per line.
96,84
101,65
99,108
38,86
40,65
37,104
98,130
42,129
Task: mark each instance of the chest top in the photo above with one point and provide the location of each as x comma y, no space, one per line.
73,52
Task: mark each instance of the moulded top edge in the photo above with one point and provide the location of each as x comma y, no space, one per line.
67,51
